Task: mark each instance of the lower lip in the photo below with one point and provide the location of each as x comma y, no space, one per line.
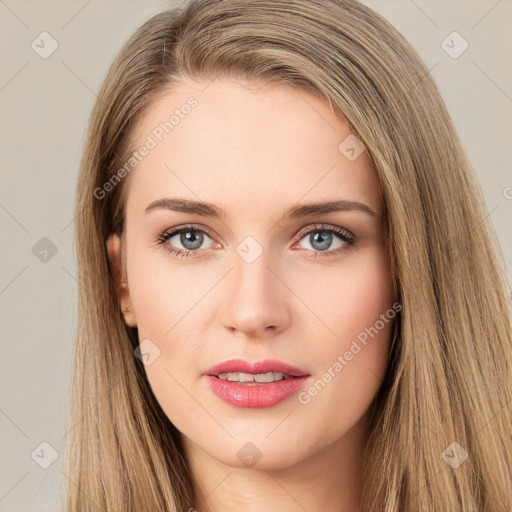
255,395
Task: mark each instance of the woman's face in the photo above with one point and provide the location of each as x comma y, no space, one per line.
257,275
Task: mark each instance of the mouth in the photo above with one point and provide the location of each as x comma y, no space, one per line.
255,385
249,378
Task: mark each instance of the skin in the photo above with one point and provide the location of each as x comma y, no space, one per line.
256,151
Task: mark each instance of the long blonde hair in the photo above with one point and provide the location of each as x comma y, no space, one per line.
449,378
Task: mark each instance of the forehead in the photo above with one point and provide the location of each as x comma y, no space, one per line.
242,142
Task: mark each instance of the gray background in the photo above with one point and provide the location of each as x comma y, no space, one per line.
45,105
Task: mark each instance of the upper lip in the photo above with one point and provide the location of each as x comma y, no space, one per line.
265,366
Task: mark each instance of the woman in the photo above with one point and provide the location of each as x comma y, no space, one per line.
291,296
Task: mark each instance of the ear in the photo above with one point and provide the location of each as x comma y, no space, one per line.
118,272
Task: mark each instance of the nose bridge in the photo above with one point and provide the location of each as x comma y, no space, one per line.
255,297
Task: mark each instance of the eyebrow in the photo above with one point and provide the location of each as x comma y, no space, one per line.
303,210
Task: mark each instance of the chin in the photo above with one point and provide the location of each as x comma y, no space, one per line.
258,452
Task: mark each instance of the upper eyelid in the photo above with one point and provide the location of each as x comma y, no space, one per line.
322,226
175,231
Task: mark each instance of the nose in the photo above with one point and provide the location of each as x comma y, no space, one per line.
256,300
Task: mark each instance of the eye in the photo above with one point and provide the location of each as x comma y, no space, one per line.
190,237
321,237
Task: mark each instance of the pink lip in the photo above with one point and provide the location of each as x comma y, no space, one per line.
255,395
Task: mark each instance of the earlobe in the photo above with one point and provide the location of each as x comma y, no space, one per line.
113,244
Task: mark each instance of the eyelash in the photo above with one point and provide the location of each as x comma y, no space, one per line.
342,234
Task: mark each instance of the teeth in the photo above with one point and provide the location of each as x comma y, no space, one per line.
249,377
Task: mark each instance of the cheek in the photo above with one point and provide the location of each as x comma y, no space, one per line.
353,349
161,292
165,300
353,297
